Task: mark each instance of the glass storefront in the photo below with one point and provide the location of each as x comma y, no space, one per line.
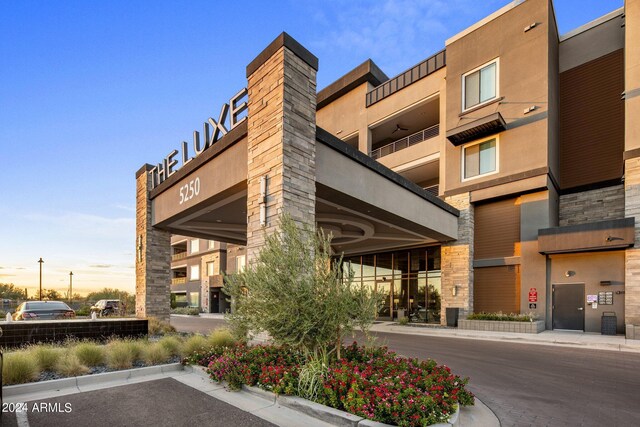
408,279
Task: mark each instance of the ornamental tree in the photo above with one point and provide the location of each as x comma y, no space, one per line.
296,291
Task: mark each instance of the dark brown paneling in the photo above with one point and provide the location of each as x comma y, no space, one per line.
592,121
497,229
496,289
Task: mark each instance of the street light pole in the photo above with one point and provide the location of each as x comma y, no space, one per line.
40,261
70,287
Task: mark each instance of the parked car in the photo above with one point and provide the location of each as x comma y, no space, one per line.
106,307
43,310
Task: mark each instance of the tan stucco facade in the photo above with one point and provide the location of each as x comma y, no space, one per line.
367,157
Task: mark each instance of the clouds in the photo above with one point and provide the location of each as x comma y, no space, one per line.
396,34
101,265
87,225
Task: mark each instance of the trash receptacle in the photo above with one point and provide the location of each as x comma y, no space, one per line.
608,323
452,316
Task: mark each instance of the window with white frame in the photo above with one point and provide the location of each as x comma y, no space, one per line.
195,246
480,158
480,85
210,268
212,244
194,272
240,263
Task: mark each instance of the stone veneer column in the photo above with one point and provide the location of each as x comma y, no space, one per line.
153,256
632,255
457,260
281,137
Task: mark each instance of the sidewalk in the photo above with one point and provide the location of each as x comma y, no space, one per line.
560,338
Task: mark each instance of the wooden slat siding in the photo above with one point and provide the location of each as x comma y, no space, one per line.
496,289
591,116
497,229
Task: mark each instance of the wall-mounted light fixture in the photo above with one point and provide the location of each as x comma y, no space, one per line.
263,201
569,273
454,290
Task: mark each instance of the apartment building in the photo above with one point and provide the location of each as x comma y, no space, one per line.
501,173
197,269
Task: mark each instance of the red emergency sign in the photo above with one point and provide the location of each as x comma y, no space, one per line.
533,295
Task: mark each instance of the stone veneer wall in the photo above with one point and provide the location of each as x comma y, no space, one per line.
457,260
153,256
593,205
281,143
632,255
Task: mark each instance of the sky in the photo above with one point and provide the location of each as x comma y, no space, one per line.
91,90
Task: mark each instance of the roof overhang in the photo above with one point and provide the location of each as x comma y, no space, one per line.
485,126
593,236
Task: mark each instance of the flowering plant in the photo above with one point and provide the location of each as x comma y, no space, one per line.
373,383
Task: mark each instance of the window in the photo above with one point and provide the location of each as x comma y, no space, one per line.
240,263
195,246
210,268
194,299
479,159
480,85
195,272
212,244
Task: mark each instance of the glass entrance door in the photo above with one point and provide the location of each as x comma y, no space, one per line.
386,310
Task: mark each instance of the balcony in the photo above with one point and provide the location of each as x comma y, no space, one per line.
178,256
407,141
178,280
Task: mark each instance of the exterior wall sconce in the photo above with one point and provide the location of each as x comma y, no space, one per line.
454,290
140,247
263,201
569,273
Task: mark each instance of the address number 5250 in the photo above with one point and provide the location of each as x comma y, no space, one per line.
190,190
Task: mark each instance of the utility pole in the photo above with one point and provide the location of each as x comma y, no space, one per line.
40,261
70,287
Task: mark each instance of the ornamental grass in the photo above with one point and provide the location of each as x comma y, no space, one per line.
155,354
19,367
46,356
70,365
90,354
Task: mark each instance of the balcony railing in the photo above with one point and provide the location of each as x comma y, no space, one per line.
178,280
433,189
176,257
406,142
402,80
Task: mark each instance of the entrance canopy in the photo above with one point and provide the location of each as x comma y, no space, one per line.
365,205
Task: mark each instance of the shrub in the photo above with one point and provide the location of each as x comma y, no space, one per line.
119,355
155,354
404,321
83,311
136,348
221,337
195,344
46,356
499,316
298,292
69,365
172,344
159,327
19,367
90,354
373,383
191,311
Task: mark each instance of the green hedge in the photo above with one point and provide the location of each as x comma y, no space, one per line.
511,317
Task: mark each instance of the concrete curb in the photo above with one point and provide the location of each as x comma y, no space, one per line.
542,338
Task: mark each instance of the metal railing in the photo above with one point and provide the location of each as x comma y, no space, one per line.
176,257
402,80
178,280
433,189
406,142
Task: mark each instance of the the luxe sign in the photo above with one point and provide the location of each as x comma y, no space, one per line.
213,130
